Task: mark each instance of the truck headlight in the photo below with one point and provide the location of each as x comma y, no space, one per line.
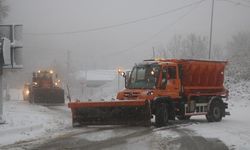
27,92
150,93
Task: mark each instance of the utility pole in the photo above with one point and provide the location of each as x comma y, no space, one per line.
118,79
1,93
211,30
2,47
85,81
153,53
68,66
118,84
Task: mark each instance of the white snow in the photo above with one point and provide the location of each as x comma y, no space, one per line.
107,134
13,94
233,130
26,121
167,134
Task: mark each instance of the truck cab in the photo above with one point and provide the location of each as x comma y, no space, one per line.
179,88
152,79
45,79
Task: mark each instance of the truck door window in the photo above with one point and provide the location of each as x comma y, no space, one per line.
171,72
141,72
164,78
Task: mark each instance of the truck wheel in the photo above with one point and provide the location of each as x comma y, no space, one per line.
31,99
215,112
75,123
161,115
209,118
182,117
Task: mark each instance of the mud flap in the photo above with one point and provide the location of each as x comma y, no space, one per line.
111,113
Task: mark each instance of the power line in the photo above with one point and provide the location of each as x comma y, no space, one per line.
236,3
247,1
157,33
114,25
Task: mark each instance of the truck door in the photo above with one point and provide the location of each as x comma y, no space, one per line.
170,84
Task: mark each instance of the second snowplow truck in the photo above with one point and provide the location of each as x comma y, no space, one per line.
45,89
166,89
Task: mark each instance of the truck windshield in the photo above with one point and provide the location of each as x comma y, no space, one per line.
143,77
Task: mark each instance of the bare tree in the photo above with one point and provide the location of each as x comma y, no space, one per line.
239,56
160,51
191,46
3,10
175,46
218,53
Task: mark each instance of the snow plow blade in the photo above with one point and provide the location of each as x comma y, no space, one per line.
48,96
125,112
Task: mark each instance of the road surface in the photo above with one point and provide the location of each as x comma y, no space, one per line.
173,137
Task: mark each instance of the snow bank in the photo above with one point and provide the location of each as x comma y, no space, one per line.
25,121
12,94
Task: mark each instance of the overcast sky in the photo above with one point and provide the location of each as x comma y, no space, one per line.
117,46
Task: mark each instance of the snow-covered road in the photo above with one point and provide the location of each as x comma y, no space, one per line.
32,126
126,138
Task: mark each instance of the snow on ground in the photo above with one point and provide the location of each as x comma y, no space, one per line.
25,121
16,94
233,130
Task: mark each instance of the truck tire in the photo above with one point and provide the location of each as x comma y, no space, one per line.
182,117
31,98
76,124
161,115
215,112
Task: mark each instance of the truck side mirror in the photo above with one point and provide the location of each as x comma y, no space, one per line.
127,74
126,77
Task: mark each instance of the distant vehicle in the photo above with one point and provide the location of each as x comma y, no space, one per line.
167,89
26,91
44,89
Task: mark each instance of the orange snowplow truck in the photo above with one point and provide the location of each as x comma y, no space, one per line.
163,89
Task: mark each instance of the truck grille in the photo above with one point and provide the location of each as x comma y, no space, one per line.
131,95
